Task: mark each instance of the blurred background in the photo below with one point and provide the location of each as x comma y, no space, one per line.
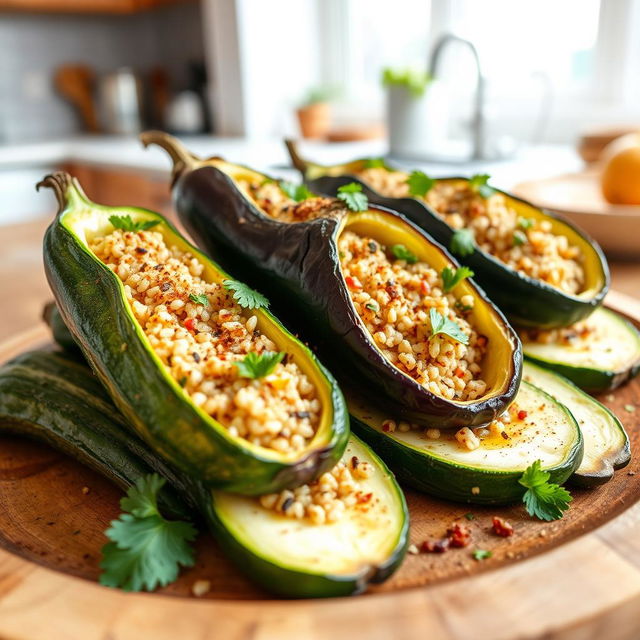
531,92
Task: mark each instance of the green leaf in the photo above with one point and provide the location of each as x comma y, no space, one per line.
469,516
420,183
373,306
199,298
451,278
463,243
127,224
297,192
519,238
142,498
402,253
526,223
481,554
258,366
441,324
479,184
351,194
373,163
246,296
543,499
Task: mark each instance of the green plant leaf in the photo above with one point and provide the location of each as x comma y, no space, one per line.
463,243
420,184
402,253
199,298
246,296
543,499
441,324
479,184
451,278
258,366
297,192
351,194
127,224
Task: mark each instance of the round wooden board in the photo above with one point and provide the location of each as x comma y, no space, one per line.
568,579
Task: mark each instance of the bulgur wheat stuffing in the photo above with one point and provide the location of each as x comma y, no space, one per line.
394,299
526,245
201,334
578,334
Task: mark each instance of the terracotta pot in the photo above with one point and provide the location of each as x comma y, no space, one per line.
314,119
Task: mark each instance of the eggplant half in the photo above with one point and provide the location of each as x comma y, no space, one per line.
54,398
526,301
443,467
93,305
298,266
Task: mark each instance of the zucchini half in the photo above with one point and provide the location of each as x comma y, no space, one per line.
53,398
526,301
606,443
489,474
298,266
598,363
93,305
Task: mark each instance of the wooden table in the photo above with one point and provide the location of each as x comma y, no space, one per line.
22,280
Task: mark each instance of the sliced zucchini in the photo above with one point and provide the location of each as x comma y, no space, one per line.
54,398
606,444
490,473
607,356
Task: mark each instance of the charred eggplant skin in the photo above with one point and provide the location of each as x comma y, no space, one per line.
297,266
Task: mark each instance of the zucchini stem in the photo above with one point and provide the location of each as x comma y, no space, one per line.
65,187
182,158
296,159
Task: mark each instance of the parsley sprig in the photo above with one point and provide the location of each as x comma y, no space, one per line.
373,163
519,238
481,554
199,298
463,243
479,184
126,223
246,296
526,223
442,324
451,278
258,366
297,192
543,499
402,253
419,184
351,194
146,550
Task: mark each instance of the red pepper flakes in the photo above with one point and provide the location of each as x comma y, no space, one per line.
190,324
501,527
459,535
438,546
522,414
353,283
425,289
459,372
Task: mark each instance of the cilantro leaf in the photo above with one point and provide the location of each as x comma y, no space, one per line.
402,253
519,238
441,324
463,243
351,194
543,499
419,183
297,192
526,223
451,278
481,554
146,549
258,366
479,184
373,163
246,296
469,516
199,298
127,224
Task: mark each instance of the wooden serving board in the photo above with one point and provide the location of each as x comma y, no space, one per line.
567,579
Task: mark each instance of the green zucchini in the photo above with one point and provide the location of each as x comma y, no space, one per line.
93,305
53,398
526,301
298,266
606,443
489,474
59,331
605,358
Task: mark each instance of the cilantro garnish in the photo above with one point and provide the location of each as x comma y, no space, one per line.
519,238
451,278
526,223
372,306
402,253
246,296
419,183
373,163
258,366
199,298
543,499
351,194
297,192
479,184
469,516
127,224
442,324
481,554
146,549
463,243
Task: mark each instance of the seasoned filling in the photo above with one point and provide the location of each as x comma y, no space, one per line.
200,342
271,198
326,499
394,299
526,245
578,334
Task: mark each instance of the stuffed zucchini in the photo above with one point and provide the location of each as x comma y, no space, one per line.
606,444
539,269
54,398
201,370
597,354
480,466
366,286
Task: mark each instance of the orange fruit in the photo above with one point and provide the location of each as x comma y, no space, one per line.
620,178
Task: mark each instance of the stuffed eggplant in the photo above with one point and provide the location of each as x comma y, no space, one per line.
387,307
539,269
201,370
54,398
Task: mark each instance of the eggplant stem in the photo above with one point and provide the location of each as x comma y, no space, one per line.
65,187
296,159
182,158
